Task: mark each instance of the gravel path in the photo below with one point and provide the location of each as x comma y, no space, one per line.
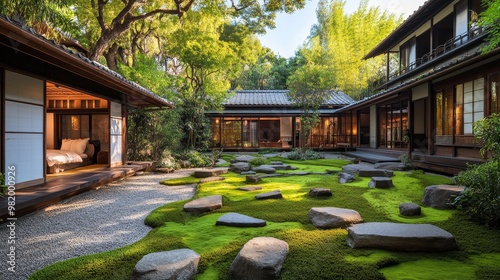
96,221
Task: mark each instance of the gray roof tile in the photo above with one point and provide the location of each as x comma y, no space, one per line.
277,98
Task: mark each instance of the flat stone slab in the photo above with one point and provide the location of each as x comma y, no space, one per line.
440,196
264,169
380,183
175,264
333,217
317,192
250,188
366,171
204,204
212,172
299,173
212,179
243,158
394,166
270,195
410,209
277,166
248,173
260,258
276,163
239,220
271,175
400,237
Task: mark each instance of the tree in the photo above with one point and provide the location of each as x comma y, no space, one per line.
489,19
342,40
310,86
105,22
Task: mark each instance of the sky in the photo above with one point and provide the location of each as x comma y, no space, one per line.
292,29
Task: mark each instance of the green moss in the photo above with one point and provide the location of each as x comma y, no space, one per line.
181,181
314,253
430,269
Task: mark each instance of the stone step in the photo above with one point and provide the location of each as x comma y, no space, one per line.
400,237
333,217
239,220
204,204
270,195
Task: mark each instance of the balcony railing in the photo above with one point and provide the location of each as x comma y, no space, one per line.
447,47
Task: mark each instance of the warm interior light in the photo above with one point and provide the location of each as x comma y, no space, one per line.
75,123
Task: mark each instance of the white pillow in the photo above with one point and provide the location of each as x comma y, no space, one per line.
66,144
78,145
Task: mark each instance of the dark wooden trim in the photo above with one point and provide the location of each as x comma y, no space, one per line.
2,119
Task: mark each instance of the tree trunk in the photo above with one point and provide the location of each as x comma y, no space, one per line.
110,56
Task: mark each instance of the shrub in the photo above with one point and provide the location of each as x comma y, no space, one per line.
259,161
406,161
167,160
196,158
269,151
481,197
296,154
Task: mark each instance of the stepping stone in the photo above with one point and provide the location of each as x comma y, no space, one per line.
394,166
250,188
410,209
299,173
239,167
220,161
239,220
264,169
270,195
440,196
277,167
331,172
212,179
204,204
260,258
253,179
175,264
248,173
366,171
276,163
381,183
345,178
205,173
316,192
400,237
243,158
333,217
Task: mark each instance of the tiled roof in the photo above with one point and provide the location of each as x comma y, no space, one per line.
277,98
96,65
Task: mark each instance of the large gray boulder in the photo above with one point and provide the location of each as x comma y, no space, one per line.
176,264
261,258
239,220
333,217
440,196
400,237
204,204
345,178
317,192
239,167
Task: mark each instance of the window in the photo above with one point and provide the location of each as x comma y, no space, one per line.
473,98
444,112
494,93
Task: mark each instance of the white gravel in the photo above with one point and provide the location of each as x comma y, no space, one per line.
96,221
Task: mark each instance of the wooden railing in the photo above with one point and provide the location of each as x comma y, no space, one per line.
440,50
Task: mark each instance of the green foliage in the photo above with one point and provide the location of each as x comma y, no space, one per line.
269,151
181,181
259,161
340,41
168,160
196,158
406,161
298,154
489,19
487,130
481,198
314,253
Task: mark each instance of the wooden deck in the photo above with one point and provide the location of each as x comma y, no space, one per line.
374,155
61,187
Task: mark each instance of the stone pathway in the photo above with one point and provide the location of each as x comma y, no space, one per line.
96,221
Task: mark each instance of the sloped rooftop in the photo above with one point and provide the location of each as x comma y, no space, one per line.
278,98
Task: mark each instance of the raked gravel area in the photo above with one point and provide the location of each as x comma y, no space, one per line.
95,221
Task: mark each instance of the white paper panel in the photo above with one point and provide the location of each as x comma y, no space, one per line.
23,88
116,149
25,152
21,117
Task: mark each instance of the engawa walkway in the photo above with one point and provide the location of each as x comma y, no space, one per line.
32,198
